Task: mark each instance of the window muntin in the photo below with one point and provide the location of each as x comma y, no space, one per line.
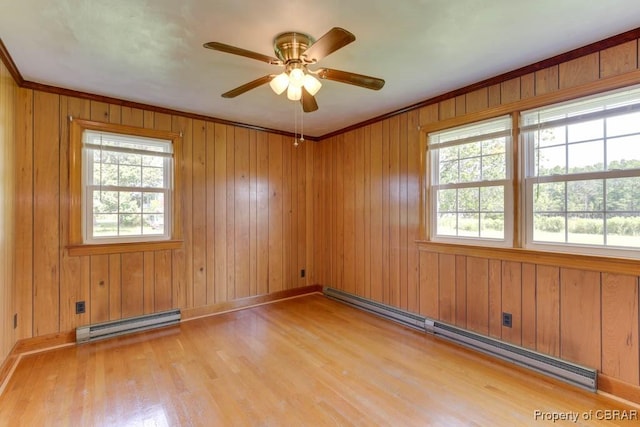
127,183
469,182
582,174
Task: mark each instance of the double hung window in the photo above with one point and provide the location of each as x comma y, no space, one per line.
582,174
470,182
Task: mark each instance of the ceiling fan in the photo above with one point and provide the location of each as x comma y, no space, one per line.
296,51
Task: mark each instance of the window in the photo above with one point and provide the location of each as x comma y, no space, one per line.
582,174
470,182
127,187
122,186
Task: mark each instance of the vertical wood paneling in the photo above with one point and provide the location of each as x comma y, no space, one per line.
276,215
447,109
24,213
210,215
394,212
527,86
546,80
230,184
429,293
478,295
197,294
495,298
512,300
477,100
619,59
529,305
367,212
182,268
115,287
162,291
494,97
242,214
510,91
349,216
548,310
132,279
8,186
148,279
262,218
220,220
580,70
377,198
447,288
46,213
359,213
403,202
99,303
580,321
413,210
620,351
461,291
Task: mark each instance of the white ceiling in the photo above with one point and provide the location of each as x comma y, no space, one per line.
150,51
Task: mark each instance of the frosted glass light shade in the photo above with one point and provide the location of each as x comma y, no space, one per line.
279,83
294,93
296,77
311,84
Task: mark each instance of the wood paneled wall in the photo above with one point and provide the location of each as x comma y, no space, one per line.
8,90
366,199
246,210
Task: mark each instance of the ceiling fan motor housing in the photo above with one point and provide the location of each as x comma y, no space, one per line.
289,46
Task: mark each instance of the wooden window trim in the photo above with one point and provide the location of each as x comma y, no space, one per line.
76,245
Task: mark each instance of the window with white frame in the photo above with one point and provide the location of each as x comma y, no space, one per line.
582,174
127,183
470,182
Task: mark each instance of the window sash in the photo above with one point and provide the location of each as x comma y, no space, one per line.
487,130
161,149
601,240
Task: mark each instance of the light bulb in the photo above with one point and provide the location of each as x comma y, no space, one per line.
296,77
311,84
294,93
279,83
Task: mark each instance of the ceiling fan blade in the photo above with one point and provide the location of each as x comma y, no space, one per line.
350,78
242,52
331,41
248,86
308,101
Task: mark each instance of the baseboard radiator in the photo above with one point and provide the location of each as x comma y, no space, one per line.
401,316
130,325
568,372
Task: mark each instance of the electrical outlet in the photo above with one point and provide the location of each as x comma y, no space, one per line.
80,307
302,273
507,320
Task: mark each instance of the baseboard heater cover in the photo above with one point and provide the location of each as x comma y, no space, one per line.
130,325
568,372
392,313
571,373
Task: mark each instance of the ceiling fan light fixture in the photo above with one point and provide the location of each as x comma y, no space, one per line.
279,83
294,93
311,84
296,77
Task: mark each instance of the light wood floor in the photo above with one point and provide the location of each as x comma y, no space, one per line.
305,361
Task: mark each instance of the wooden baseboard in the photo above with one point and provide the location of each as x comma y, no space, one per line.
224,307
619,388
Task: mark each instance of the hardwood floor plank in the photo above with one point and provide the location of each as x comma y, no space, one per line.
302,361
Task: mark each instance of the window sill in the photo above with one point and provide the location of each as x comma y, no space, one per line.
117,248
628,266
